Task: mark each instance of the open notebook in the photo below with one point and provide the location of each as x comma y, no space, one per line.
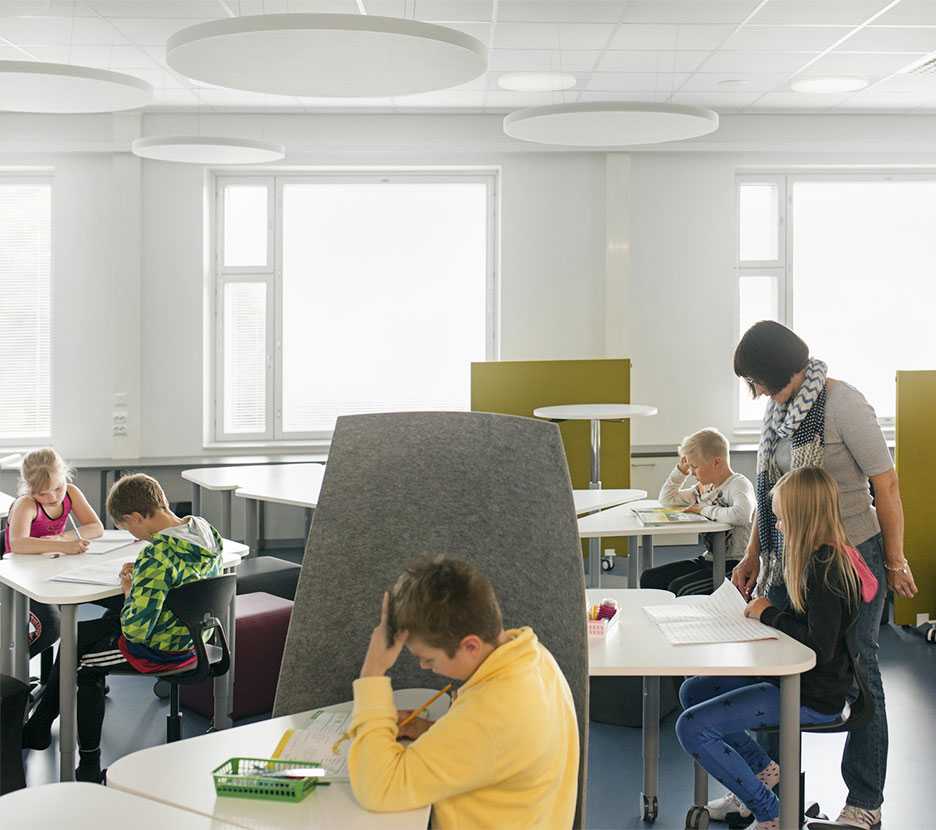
718,618
97,571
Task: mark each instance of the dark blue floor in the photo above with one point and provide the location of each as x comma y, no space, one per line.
136,719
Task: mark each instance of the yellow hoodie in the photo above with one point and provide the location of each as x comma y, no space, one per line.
505,755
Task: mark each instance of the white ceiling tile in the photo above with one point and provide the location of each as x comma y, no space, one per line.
743,62
818,12
687,11
197,9
651,36
452,9
343,103
796,101
386,8
504,99
53,31
660,61
110,57
635,82
892,39
285,6
713,82
871,65
175,97
886,101
442,98
787,38
233,97
910,13
636,97
585,36
720,101
923,85
151,31
536,60
582,11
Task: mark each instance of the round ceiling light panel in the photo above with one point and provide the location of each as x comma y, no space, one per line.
36,86
609,124
191,149
327,55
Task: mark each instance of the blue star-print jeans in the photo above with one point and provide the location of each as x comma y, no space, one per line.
718,710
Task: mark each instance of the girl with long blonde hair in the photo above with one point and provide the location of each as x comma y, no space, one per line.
826,582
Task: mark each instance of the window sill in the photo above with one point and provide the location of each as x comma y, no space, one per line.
285,446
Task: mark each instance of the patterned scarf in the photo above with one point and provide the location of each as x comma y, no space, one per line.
801,419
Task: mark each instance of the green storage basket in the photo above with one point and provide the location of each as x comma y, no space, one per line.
244,778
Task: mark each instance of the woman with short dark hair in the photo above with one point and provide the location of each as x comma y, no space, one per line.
812,420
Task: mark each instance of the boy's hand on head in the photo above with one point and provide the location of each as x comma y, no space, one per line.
380,657
683,465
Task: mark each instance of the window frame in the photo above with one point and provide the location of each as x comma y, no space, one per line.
272,276
9,176
783,268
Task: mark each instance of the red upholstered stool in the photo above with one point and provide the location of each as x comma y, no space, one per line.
262,622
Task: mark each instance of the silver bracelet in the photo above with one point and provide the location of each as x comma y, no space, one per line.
903,569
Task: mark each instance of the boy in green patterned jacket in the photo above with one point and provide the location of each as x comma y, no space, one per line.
145,635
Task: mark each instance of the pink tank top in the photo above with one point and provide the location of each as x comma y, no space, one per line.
43,525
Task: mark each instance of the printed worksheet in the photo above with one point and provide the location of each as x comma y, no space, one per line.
96,572
315,742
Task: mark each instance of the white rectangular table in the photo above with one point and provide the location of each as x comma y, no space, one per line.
92,807
621,521
179,774
28,577
591,501
635,647
294,484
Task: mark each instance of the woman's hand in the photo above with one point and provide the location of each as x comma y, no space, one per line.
744,575
901,581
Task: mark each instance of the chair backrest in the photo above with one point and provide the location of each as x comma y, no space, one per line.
200,607
490,489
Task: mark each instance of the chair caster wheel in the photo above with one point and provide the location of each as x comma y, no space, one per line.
697,819
607,563
161,689
649,808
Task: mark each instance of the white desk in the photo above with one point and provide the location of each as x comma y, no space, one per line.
294,484
28,577
6,502
635,646
180,774
595,413
621,521
591,501
91,807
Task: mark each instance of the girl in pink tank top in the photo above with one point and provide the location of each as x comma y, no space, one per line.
37,524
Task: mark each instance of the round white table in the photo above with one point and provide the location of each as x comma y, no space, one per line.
595,413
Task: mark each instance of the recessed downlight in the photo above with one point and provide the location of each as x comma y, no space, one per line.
536,81
828,85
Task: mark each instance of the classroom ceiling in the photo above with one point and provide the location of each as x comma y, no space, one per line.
729,55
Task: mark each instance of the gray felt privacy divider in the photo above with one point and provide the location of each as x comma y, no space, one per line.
490,489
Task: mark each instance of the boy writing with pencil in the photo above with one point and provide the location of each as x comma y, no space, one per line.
507,752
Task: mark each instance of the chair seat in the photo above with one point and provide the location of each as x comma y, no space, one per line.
840,723
214,653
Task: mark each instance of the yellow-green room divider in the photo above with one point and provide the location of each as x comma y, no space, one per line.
517,387
916,460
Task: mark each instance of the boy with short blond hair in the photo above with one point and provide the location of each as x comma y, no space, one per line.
507,752
145,636
720,494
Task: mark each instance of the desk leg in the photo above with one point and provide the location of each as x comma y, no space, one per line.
21,636
68,691
196,500
7,629
633,566
646,553
226,496
251,525
651,747
105,519
224,685
594,545
719,556
790,752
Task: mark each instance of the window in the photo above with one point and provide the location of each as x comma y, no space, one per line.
346,293
854,273
25,286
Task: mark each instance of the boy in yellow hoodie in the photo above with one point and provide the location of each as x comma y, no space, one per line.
506,754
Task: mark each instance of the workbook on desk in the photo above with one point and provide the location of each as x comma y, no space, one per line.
718,618
111,540
315,741
664,517
96,572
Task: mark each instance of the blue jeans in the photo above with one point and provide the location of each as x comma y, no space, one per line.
718,711
864,762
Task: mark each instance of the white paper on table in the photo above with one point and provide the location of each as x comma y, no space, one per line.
116,536
314,743
718,618
99,546
98,572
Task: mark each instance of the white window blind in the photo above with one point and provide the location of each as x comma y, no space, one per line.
245,363
25,283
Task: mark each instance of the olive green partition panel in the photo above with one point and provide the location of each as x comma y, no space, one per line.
517,387
916,460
